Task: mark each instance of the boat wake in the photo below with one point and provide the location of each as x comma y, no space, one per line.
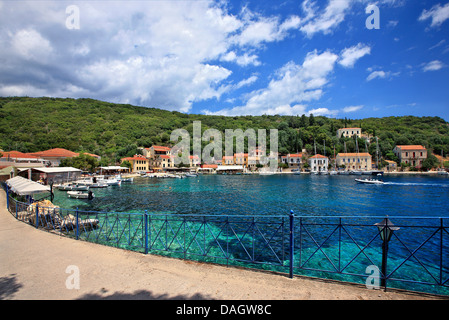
417,184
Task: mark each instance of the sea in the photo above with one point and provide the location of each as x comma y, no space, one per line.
278,194
335,236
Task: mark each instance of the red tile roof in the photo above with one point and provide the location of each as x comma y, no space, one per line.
161,148
212,166
411,147
295,155
318,156
17,154
59,153
135,157
56,153
361,154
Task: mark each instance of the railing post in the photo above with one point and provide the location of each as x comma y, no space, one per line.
77,224
146,231
292,242
37,215
7,198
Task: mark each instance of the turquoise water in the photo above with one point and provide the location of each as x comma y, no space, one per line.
307,195
322,248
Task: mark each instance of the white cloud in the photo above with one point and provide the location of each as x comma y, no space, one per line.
377,74
437,13
381,74
349,56
30,44
327,20
243,60
433,66
293,85
352,109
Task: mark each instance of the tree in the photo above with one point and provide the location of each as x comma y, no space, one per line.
430,163
311,120
126,164
83,162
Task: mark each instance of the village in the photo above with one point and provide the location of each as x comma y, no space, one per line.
39,166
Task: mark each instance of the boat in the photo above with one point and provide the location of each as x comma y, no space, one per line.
99,185
369,181
190,175
73,187
65,187
443,172
112,182
79,187
80,195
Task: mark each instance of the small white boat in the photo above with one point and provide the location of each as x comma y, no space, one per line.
333,173
191,175
79,187
65,187
80,195
112,182
369,181
443,172
99,185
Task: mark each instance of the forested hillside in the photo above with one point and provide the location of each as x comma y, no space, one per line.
117,130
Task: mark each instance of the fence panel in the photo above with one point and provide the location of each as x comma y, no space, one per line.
416,257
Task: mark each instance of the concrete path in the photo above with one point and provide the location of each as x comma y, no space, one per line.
39,265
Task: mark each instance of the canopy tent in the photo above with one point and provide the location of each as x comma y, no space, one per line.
24,187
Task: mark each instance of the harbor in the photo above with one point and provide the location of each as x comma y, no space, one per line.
241,220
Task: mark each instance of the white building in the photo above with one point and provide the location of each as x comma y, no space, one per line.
318,163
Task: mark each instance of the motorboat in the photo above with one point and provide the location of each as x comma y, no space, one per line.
369,181
191,175
73,187
80,195
65,187
98,185
79,187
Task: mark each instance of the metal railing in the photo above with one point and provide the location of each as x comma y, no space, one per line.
350,249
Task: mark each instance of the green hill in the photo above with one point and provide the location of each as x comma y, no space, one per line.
117,130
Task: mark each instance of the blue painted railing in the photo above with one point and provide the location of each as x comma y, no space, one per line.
342,248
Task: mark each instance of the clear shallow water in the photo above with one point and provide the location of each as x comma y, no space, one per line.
401,197
307,195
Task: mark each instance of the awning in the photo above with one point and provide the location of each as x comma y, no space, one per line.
24,187
230,167
114,168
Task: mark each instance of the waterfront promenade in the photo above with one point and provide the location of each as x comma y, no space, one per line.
33,265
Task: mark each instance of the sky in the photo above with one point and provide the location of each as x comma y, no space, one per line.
336,58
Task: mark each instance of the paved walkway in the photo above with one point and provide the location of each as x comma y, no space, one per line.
39,265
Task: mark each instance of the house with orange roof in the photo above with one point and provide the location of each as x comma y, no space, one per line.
411,154
227,160
55,155
138,163
293,160
20,157
194,161
349,132
318,163
355,161
241,159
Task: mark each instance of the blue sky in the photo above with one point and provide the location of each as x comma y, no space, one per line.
233,57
